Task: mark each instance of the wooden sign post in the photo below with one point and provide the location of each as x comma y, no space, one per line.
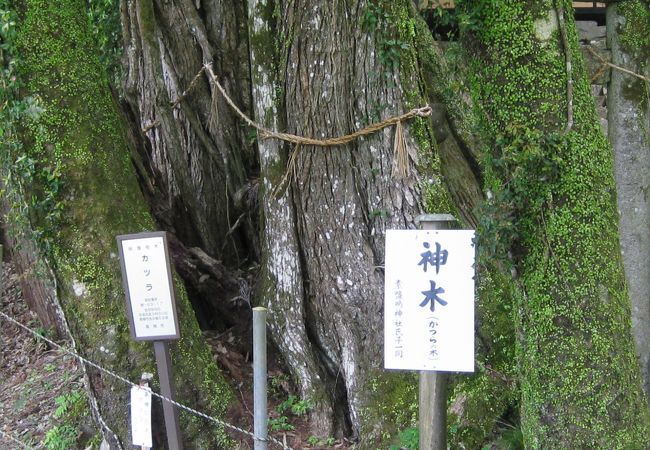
146,274
1,271
429,313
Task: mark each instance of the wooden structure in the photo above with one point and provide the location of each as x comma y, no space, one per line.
584,11
449,4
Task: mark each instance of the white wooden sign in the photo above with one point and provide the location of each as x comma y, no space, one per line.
429,300
141,416
146,275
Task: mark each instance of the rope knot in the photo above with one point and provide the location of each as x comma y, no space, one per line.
425,111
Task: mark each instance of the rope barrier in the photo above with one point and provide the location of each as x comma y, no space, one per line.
131,384
606,63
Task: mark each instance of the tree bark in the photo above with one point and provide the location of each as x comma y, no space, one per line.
81,193
281,280
345,196
628,112
197,149
550,177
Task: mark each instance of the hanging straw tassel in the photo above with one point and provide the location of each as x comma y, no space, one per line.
401,168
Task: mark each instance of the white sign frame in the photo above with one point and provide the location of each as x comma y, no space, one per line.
425,329
151,318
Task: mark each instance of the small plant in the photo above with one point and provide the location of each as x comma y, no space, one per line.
69,409
375,213
45,332
278,384
511,439
408,438
280,424
295,405
68,404
378,19
61,437
314,441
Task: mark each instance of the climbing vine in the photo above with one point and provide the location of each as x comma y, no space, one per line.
104,16
635,40
390,45
523,168
551,204
635,35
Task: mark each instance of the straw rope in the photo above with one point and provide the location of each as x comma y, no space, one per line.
330,142
401,168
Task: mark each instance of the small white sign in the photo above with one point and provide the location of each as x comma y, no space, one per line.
429,300
147,282
141,416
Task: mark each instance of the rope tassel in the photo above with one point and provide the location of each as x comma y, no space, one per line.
401,167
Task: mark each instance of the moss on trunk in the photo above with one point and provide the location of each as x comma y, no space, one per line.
553,200
80,141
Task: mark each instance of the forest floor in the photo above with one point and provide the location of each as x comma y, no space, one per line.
40,386
37,384
287,412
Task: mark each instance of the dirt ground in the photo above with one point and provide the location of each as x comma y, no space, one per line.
33,376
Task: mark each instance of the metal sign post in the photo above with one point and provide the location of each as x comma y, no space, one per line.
146,275
259,379
429,313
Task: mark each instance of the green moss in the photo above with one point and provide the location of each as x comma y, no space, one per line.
634,37
484,395
393,403
80,131
579,378
480,400
263,43
635,32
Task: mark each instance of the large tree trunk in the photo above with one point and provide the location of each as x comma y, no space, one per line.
317,71
550,178
196,158
344,197
628,109
334,80
80,193
196,147
323,235
282,278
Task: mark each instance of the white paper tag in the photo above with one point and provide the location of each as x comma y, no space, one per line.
141,416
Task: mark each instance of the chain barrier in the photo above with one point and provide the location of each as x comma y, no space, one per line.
131,384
